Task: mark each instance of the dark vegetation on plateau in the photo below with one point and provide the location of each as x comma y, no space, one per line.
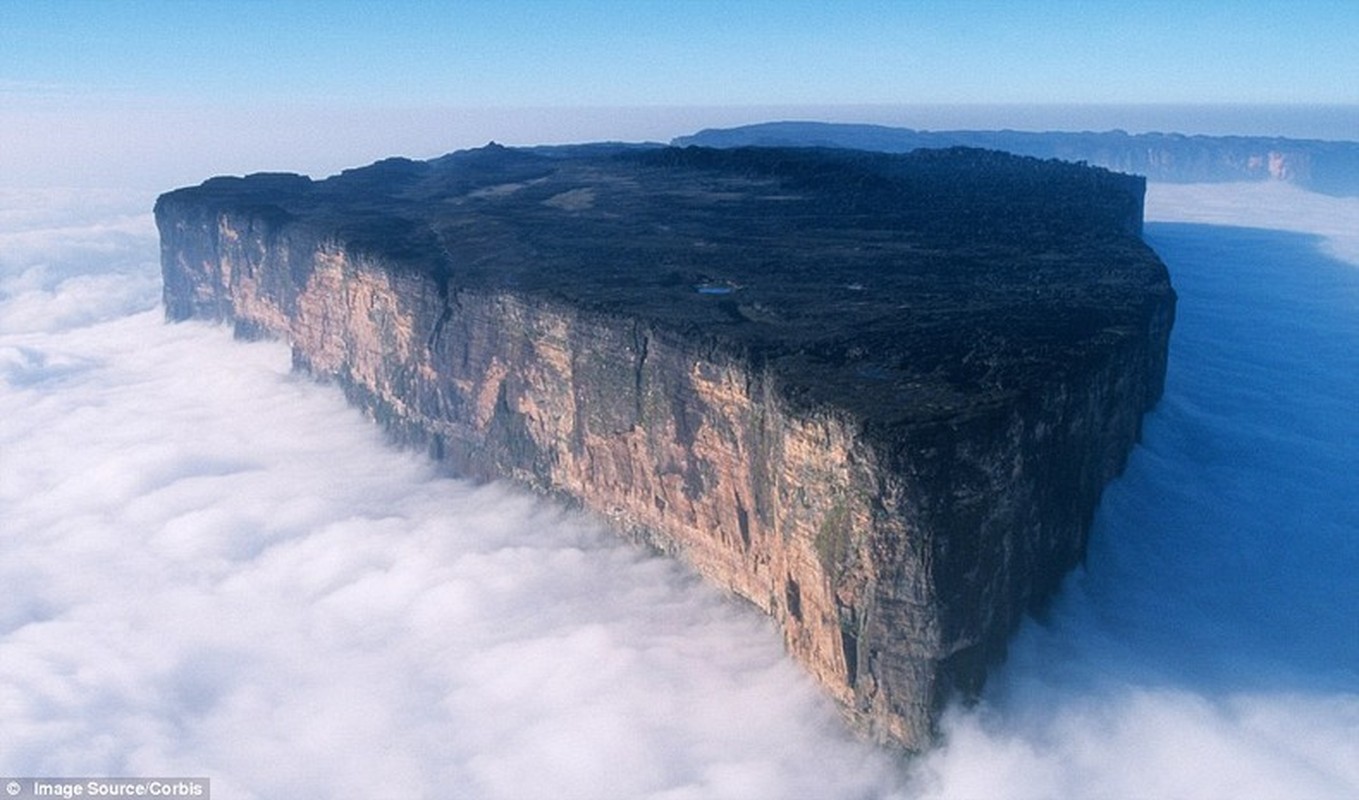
897,287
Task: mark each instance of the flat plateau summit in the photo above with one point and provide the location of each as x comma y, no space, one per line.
876,395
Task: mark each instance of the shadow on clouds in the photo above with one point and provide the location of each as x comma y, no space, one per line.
1230,550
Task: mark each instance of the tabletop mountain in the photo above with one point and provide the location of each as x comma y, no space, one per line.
878,396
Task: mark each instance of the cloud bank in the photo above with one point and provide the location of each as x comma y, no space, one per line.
212,566
1268,205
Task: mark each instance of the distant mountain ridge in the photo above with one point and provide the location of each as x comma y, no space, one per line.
1328,167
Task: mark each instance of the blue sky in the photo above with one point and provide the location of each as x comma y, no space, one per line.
573,53
103,92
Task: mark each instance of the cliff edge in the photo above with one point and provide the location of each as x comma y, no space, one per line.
876,395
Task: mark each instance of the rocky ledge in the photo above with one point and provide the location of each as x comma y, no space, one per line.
878,396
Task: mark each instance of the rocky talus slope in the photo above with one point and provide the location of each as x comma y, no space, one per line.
877,396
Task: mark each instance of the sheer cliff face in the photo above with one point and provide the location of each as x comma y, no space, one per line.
896,560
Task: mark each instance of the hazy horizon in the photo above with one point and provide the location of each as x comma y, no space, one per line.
164,94
157,148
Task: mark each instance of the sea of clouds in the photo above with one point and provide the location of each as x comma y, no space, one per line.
211,566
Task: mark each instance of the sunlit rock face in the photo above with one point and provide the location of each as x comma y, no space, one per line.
876,396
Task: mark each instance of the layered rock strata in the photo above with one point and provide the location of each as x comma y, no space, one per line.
876,396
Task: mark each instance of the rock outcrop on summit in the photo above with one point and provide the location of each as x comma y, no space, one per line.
877,396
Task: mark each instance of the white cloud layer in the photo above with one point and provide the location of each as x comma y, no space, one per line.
1270,205
211,566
